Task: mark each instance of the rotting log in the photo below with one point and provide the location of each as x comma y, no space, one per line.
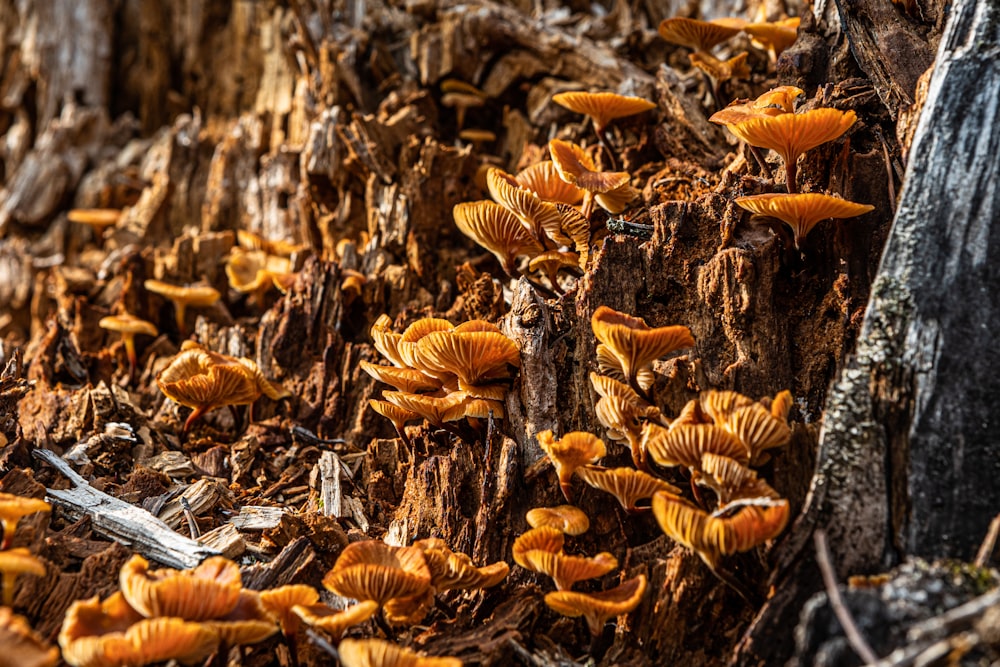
907,459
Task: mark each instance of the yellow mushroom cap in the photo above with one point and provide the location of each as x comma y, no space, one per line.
380,653
566,570
127,324
543,179
498,230
210,590
373,570
597,608
634,343
602,107
13,508
536,214
247,623
571,451
694,34
802,212
626,484
575,166
192,295
98,218
777,36
279,602
335,622
565,518
686,444
542,538
792,134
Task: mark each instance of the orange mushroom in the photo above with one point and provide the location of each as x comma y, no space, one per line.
14,562
802,212
569,452
686,444
498,230
776,36
380,653
732,481
694,34
373,570
129,326
12,509
482,361
597,608
602,108
183,296
280,604
542,538
335,622
210,590
539,216
566,518
566,570
625,484
543,179
611,189
98,219
456,571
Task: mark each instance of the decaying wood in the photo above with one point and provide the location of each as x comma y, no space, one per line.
122,522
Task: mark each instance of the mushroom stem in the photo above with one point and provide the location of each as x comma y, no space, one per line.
791,169
588,204
384,625
129,341
8,588
567,490
179,312
193,417
601,137
293,650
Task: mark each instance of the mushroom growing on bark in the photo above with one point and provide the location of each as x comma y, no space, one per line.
802,212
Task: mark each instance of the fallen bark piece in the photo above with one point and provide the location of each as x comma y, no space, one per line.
117,520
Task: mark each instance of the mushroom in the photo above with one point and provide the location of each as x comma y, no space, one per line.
380,653
482,360
717,406
549,263
686,444
477,137
386,341
456,571
373,570
731,481
98,219
210,590
720,71
611,189
250,241
698,35
247,623
498,230
633,343
625,484
282,603
13,508
129,326
623,412
539,216
460,102
183,296
577,228
542,538
566,570
757,429
597,608
543,179
565,518
335,622
774,102
22,646
792,134
253,271
397,415
602,108
409,380
434,409
351,286
802,212
568,453
14,562
777,36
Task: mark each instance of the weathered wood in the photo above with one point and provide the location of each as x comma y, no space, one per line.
907,459
117,520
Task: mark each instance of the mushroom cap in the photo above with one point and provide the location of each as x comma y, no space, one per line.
574,449
251,270
542,538
602,107
477,135
575,226
553,260
373,570
615,201
409,380
719,405
192,295
386,341
566,570
610,366
757,429
575,166
731,481
99,218
722,70
565,518
397,415
792,134
459,86
200,378
686,444
210,590
410,610
20,561
91,619
462,100
247,623
633,342
712,537
543,179
380,653
597,608
479,359
478,408
279,602
781,404
145,642
456,571
22,646
778,100
498,230
335,622
628,485
778,35
434,409
250,241
694,34
802,212
537,215
13,508
127,324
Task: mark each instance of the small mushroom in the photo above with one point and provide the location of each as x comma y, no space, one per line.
14,562
253,271
183,296
776,36
542,538
539,216
757,429
635,344
250,241
380,653
481,360
569,452
625,484
477,137
543,179
373,570
456,571
460,102
397,415
210,590
549,263
597,608
686,444
435,409
611,189
802,212
409,380
13,508
566,570
22,646
720,71
566,518
129,326
623,412
498,230
335,622
602,108
792,134
732,481
717,406
281,604
98,219
247,623
694,34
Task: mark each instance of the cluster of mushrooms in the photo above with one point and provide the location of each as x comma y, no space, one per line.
16,636
441,372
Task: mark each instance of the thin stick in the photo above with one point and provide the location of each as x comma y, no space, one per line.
989,543
854,637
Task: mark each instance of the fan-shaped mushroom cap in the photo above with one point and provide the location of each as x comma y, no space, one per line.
685,445
210,590
373,570
455,571
183,296
279,603
335,622
250,241
602,107
14,562
480,359
434,409
409,380
577,228
498,230
539,216
732,481
712,537
776,36
379,653
566,570
597,608
694,34
542,538
253,270
12,509
22,646
247,623
543,179
722,70
625,484
691,414
477,408
386,341
757,429
777,101
718,405
575,166
145,642
633,342
621,411
611,366
87,621
97,218
801,212
565,518
569,452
